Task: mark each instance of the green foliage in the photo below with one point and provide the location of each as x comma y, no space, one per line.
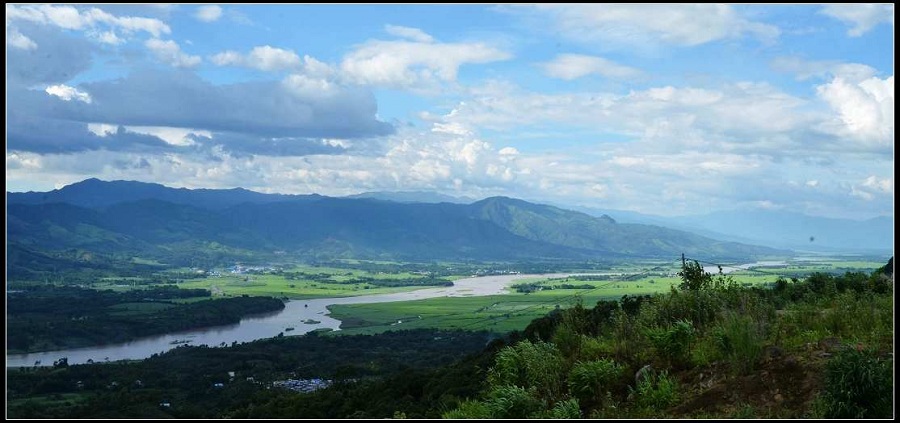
536,366
858,385
470,409
568,409
693,277
512,402
591,381
656,393
673,343
739,341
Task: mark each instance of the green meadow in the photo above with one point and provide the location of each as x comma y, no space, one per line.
513,311
325,282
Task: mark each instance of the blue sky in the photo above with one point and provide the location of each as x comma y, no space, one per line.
660,109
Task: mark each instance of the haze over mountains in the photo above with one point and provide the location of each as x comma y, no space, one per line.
774,228
152,221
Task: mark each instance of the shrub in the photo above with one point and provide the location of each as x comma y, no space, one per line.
656,394
674,342
538,366
568,409
739,340
590,381
858,385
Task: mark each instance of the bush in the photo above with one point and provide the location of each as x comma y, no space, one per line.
673,344
590,381
739,340
535,366
858,385
656,394
568,409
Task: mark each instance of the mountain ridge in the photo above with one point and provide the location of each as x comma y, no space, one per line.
162,222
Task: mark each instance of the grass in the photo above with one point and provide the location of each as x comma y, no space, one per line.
48,401
502,313
279,286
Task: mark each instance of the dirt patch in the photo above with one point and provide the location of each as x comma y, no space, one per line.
781,386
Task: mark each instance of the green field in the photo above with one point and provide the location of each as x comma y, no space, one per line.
332,282
503,313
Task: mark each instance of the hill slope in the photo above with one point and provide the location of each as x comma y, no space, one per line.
156,221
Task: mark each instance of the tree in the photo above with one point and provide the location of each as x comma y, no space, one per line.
693,277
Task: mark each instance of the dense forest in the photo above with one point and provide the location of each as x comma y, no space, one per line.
42,317
812,348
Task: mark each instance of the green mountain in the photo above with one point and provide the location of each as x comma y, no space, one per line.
177,225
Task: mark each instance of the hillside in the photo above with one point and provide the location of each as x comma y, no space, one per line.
775,228
163,223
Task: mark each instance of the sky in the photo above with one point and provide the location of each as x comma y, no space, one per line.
659,109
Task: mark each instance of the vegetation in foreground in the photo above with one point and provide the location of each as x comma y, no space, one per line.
814,348
711,349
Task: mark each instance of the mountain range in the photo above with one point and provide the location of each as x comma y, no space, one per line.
774,228
151,221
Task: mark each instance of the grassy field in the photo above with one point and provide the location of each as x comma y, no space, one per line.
332,282
502,313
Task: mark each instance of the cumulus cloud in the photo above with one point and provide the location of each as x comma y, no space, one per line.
863,17
16,39
414,34
872,188
805,69
742,114
265,58
574,66
260,111
864,110
68,93
57,58
69,17
684,25
172,136
108,37
170,52
411,64
209,13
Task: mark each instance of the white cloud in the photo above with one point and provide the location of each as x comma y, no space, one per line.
885,185
863,17
172,136
68,93
265,58
864,110
109,37
16,39
414,34
102,129
169,52
209,13
812,183
405,64
573,66
69,17
508,151
669,117
823,69
305,86
622,25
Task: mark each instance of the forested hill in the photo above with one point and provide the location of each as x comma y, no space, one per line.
154,221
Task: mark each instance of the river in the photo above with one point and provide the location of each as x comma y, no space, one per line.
264,326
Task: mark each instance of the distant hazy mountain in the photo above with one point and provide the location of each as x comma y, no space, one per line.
153,221
94,193
413,197
778,229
